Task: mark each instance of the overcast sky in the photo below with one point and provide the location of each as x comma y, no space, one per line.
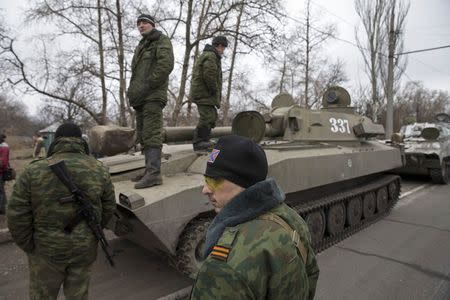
428,25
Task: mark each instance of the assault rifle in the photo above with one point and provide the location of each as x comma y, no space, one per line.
85,210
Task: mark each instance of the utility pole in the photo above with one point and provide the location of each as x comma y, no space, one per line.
390,79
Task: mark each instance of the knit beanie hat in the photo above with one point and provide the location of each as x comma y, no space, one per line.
146,18
237,159
220,40
68,130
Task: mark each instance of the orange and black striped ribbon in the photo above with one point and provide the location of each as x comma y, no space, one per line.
220,253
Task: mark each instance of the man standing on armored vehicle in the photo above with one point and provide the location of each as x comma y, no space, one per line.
47,222
257,247
206,90
152,64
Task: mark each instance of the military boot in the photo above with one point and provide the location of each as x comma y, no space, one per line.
152,174
201,140
139,177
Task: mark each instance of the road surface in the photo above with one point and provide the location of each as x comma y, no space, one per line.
404,256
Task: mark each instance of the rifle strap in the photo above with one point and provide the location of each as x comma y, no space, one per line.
293,233
74,221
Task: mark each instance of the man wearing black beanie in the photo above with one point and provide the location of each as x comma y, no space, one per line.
256,246
37,217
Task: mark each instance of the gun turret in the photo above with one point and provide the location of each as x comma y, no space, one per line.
335,122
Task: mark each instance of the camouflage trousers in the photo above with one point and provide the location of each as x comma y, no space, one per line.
149,124
2,196
46,278
208,116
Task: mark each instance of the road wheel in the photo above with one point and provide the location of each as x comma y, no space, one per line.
336,218
382,199
440,175
393,190
369,205
354,211
316,225
191,246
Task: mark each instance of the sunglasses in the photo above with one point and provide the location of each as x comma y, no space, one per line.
214,183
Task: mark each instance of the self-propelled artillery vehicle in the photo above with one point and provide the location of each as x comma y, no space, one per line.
328,162
427,149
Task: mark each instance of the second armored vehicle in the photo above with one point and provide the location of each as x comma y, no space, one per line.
333,171
427,149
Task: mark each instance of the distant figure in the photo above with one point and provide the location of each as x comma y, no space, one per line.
206,90
152,63
4,164
39,149
42,210
257,247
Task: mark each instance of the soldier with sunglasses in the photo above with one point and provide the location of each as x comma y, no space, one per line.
256,247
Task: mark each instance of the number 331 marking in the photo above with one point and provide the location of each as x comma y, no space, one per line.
339,125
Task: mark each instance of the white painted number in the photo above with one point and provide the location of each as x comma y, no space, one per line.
339,125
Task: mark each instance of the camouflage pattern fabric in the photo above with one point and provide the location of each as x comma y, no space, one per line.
36,219
208,116
46,277
257,259
206,85
151,66
149,125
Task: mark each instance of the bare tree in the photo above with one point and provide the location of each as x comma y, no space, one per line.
383,29
415,103
395,21
203,19
372,14
97,56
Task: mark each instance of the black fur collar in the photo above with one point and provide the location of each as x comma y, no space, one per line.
249,204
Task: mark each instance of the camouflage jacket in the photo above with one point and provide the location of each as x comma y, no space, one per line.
35,217
151,66
253,258
206,85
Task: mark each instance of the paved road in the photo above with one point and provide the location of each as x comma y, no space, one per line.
404,256
138,274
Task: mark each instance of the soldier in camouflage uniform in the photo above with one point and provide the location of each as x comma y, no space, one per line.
152,63
256,246
206,90
36,218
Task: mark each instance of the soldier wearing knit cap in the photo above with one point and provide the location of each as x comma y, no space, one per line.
152,63
37,217
206,90
256,247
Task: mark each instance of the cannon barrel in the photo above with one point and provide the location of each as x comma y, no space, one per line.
111,139
186,133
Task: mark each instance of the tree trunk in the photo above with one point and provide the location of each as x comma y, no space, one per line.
184,71
121,61
226,104
102,64
307,55
390,79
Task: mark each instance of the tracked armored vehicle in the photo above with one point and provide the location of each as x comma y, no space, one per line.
427,149
333,171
